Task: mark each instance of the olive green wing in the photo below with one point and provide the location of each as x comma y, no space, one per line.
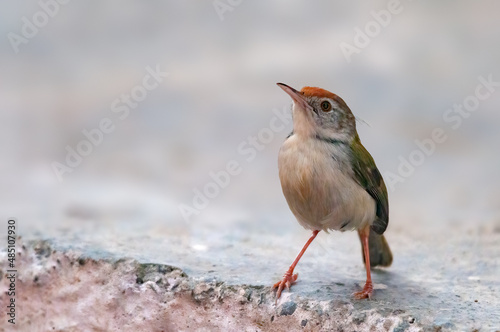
369,177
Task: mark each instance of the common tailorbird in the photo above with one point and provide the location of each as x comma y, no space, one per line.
330,181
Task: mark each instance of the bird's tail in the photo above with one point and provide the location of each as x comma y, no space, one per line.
380,253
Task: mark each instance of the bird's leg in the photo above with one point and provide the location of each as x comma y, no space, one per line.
289,278
368,289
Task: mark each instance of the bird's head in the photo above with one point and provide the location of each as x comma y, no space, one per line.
318,112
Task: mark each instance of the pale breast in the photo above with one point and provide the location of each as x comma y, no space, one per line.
318,186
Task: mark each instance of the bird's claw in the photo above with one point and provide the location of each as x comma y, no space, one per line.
366,293
288,279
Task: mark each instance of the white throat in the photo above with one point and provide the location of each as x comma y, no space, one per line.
303,121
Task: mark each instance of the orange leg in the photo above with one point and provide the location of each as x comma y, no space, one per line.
289,278
368,289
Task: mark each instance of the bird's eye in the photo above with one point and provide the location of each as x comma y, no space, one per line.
326,106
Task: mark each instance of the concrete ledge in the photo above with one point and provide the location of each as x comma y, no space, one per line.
67,291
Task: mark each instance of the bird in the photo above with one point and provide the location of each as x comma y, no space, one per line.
330,181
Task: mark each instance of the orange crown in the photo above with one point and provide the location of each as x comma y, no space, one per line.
310,91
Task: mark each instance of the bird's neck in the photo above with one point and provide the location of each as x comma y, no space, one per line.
303,123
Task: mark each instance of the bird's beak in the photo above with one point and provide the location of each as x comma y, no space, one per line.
297,96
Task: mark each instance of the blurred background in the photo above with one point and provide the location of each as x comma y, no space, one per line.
223,60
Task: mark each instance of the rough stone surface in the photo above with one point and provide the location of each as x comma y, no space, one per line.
84,286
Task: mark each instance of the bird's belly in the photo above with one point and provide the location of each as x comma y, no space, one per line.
321,195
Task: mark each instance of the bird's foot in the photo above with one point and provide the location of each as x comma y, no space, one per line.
366,293
288,279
